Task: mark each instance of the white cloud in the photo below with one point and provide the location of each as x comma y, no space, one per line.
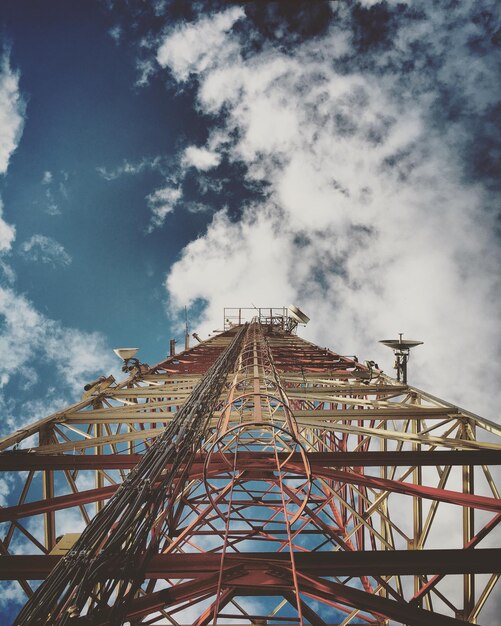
4,491
28,336
11,112
129,167
193,48
11,593
47,178
368,225
251,258
52,190
200,158
11,127
371,3
7,272
7,233
42,249
145,69
115,33
162,202
52,207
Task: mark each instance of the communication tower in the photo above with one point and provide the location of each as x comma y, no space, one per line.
255,478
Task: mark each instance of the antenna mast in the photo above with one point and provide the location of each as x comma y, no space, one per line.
186,330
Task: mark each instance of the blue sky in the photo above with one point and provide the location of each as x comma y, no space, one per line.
162,154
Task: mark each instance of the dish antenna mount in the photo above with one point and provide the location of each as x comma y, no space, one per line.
401,349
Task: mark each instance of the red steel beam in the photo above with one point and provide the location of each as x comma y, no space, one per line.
250,583
327,591
189,591
24,461
57,503
432,493
340,563
94,495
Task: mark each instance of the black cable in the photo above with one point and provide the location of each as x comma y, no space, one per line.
117,536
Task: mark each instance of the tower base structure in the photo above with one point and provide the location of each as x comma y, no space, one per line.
253,479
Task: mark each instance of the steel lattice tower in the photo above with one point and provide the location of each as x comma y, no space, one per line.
254,479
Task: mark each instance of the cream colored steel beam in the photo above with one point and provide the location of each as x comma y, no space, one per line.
397,413
484,423
140,418
58,416
99,441
328,414
147,392
35,427
402,436
134,408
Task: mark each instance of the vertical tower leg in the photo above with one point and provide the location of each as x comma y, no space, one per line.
46,437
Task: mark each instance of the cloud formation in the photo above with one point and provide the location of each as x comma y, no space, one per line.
27,337
367,219
7,233
199,46
26,333
12,109
11,127
200,158
129,167
42,249
161,202
54,193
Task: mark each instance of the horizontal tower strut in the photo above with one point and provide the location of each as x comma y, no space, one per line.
23,461
261,468
340,563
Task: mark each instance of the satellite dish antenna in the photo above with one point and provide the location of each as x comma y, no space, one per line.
125,353
401,349
297,315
